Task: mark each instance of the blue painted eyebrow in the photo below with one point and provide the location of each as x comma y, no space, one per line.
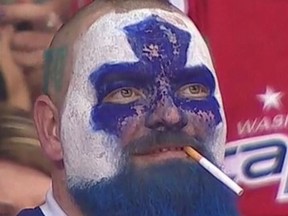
129,72
197,74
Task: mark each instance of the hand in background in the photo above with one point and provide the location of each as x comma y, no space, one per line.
16,86
34,25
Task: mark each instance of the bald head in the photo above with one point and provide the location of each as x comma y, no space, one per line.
138,84
59,57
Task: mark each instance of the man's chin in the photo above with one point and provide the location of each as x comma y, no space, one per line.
176,187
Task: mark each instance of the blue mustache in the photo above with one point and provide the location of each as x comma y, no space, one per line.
169,140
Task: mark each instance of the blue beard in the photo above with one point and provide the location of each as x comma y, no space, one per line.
174,188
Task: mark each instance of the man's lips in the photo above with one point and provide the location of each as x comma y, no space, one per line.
160,154
161,150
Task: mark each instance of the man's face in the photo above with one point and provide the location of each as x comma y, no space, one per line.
142,88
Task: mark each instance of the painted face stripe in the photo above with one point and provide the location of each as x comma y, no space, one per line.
162,52
93,153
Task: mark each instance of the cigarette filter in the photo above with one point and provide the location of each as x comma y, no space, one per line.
215,171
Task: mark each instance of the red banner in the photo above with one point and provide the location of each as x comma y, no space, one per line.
248,41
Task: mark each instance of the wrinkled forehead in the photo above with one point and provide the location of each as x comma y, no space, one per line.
106,40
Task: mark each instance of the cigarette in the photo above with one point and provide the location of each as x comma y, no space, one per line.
215,171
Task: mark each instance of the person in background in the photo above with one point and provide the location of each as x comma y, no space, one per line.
24,171
31,25
13,87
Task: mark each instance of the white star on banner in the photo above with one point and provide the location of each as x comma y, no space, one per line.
271,99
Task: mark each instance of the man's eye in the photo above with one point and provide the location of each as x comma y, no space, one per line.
123,96
193,92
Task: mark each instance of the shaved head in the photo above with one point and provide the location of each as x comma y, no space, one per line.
133,84
59,56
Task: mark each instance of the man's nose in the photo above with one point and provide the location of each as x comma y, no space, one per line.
166,116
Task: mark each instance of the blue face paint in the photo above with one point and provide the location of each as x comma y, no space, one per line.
161,116
157,190
162,52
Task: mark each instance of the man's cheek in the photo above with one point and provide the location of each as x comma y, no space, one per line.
207,110
40,1
111,117
133,128
198,125
201,123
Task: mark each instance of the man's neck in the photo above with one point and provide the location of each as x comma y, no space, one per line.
62,197
51,207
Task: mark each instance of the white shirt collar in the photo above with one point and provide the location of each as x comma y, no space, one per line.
51,207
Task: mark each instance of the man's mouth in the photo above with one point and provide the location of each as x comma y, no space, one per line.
160,154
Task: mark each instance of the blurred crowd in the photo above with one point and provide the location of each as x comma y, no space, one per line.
26,30
27,27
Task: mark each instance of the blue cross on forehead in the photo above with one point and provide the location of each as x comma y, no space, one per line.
161,49
158,41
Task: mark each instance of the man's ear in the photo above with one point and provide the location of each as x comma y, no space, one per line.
47,123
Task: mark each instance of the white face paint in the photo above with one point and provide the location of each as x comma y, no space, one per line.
180,4
94,155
